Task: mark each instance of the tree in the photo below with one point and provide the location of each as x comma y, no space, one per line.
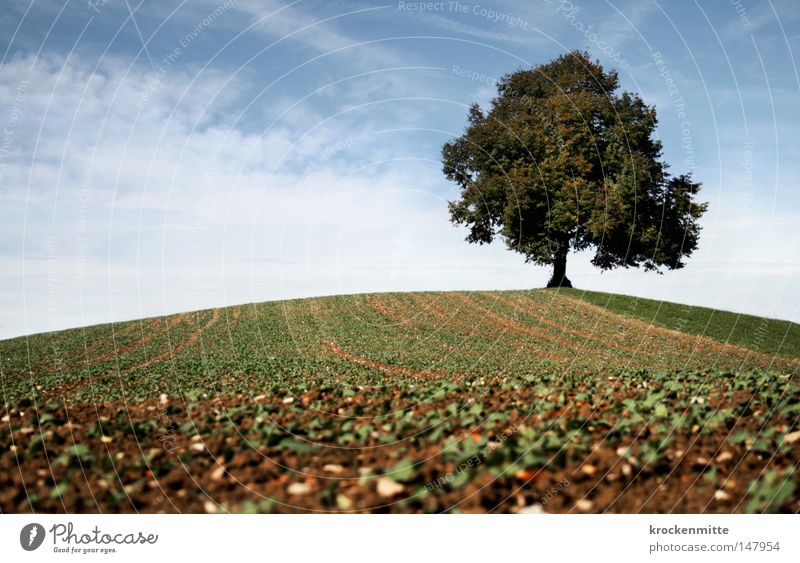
562,161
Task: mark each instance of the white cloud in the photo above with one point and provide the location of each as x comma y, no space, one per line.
132,212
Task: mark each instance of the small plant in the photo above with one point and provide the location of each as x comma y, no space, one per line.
770,491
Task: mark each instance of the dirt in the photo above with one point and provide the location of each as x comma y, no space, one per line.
223,465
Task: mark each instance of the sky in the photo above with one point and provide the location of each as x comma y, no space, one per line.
159,156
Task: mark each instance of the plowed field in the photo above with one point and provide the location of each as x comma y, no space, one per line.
517,401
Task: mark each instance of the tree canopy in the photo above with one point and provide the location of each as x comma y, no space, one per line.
561,160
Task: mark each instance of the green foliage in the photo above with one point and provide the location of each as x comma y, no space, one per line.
403,471
770,491
561,160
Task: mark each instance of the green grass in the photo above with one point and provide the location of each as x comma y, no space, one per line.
770,336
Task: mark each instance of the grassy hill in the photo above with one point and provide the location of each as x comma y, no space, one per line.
771,336
407,402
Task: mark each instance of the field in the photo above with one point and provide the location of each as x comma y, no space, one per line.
515,401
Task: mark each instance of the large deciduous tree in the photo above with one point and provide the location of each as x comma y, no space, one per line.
561,160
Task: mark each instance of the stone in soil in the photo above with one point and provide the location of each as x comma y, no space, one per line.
388,488
299,489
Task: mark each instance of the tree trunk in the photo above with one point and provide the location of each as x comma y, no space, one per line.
559,278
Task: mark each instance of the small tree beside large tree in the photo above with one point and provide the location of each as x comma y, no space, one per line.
563,161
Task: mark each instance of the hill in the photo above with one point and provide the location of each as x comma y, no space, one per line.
407,402
771,336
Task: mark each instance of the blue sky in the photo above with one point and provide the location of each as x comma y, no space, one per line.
162,156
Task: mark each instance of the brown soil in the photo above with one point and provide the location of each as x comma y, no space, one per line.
169,470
